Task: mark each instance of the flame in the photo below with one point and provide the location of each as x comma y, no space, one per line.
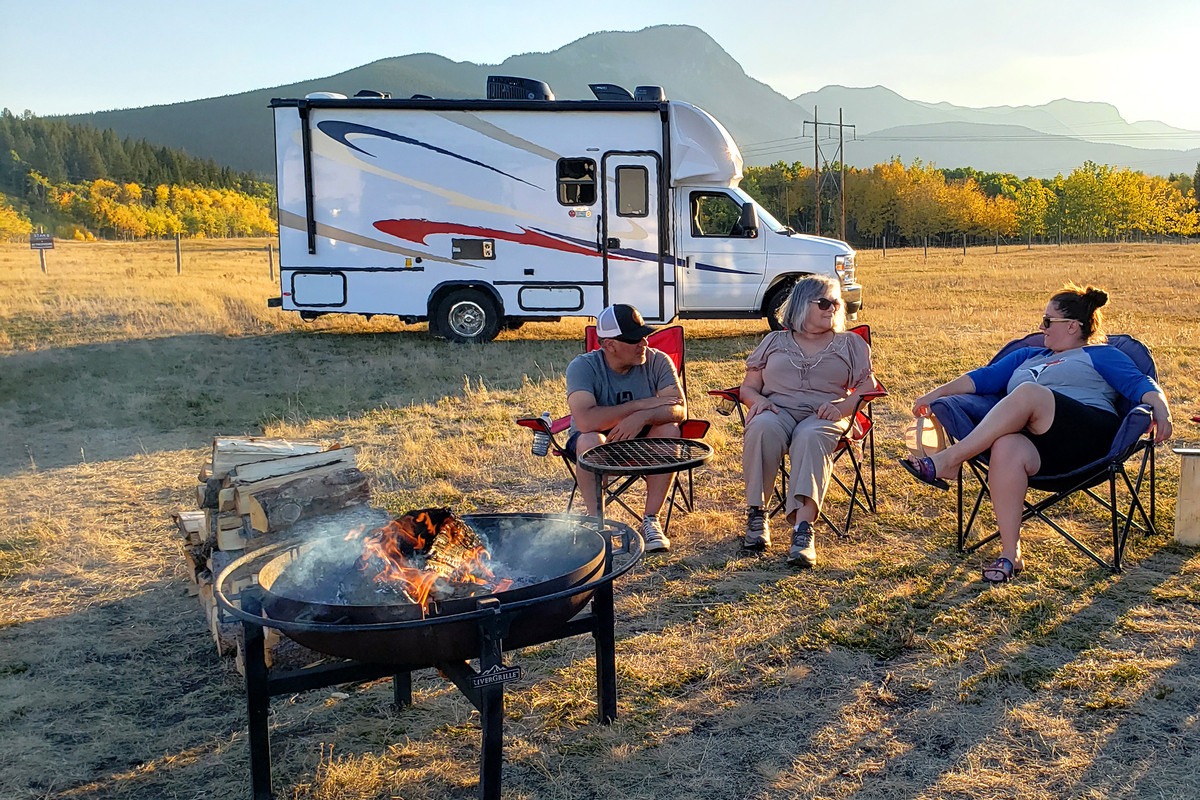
402,551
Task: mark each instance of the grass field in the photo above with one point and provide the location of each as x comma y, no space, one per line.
889,671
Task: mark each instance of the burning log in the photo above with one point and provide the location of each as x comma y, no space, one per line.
426,555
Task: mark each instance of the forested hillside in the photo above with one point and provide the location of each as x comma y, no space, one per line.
82,183
79,182
900,204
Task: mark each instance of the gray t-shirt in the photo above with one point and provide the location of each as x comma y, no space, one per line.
590,373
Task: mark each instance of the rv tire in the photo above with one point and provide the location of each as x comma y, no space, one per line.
776,300
468,316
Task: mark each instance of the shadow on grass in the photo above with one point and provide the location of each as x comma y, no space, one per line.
110,401
887,675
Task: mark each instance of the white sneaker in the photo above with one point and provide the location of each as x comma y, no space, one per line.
656,540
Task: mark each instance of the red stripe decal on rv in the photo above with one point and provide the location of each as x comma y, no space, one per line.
417,230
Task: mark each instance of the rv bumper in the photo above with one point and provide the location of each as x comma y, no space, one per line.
852,297
274,302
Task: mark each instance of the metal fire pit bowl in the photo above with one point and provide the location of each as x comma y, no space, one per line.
567,556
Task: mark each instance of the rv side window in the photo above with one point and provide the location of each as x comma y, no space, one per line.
633,192
576,181
715,215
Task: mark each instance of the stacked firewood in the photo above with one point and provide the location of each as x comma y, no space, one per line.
254,492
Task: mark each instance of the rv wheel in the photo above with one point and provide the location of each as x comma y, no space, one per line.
468,316
773,308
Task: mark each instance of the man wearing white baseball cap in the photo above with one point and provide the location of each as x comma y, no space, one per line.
623,390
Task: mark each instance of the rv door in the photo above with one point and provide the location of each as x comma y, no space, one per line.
726,259
635,254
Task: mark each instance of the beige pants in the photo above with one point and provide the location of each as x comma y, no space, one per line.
809,443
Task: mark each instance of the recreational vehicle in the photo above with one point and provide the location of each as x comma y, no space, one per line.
477,215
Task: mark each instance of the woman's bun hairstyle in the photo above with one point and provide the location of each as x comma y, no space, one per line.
1083,303
1096,298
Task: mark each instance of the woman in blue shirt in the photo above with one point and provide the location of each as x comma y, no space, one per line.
1058,413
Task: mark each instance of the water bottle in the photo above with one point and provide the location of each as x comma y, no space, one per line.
541,439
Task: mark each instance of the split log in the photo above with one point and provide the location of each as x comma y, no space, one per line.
261,470
226,500
208,493
244,491
274,509
190,524
230,452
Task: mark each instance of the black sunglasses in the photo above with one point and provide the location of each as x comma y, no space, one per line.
1047,321
825,303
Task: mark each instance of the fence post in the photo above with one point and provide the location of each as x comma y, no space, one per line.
271,262
964,244
178,257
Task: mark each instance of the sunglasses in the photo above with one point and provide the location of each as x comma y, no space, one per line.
1046,321
825,303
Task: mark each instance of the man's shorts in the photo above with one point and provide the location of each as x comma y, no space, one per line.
570,446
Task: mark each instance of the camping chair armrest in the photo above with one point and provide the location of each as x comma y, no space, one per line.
864,398
728,400
536,424
694,428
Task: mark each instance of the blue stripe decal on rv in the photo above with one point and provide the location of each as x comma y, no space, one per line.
339,130
715,268
679,262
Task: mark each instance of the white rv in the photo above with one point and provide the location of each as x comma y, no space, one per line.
481,214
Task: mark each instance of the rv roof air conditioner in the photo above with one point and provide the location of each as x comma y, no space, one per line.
650,94
373,94
500,87
324,96
610,91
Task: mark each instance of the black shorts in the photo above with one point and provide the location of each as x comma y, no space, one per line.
1079,435
574,440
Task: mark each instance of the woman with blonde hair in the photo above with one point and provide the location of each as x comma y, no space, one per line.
799,391
1058,413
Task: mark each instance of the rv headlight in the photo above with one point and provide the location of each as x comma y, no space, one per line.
845,267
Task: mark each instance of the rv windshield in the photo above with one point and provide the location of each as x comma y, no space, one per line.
763,215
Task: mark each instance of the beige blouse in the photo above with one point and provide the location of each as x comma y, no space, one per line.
799,383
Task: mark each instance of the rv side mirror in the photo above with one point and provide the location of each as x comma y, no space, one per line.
748,221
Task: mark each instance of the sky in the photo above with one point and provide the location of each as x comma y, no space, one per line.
69,56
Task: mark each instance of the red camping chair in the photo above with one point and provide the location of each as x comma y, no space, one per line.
669,341
856,447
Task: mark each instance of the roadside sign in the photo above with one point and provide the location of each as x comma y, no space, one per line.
41,241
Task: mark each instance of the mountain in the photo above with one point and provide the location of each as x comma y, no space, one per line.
877,108
236,130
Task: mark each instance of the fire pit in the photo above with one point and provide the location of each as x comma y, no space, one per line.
299,587
561,564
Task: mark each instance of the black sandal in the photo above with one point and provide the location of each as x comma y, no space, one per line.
923,470
1000,571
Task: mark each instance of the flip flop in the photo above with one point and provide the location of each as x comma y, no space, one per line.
923,470
1000,571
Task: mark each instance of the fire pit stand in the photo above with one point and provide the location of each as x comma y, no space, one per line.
483,687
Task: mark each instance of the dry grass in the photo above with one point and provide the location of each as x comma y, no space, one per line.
887,672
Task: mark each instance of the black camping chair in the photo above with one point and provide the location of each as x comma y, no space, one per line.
856,447
1134,441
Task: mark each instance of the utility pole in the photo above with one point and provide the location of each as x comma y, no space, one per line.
828,177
